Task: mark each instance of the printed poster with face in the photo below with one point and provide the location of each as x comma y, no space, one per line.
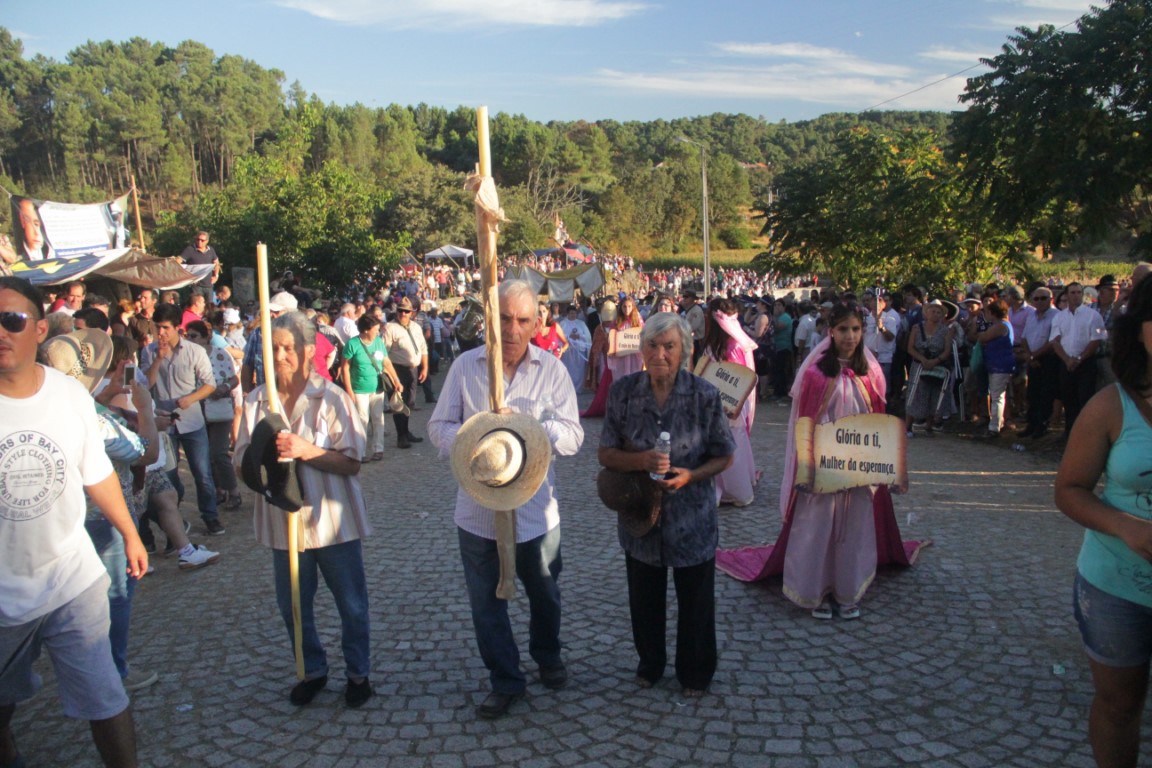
44,229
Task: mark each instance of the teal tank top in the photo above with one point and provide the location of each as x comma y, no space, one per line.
1105,561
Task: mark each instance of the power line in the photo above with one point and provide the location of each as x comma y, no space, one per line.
949,77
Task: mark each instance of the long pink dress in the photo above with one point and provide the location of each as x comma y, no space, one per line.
830,544
622,366
737,484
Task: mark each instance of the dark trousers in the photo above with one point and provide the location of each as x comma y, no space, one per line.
538,566
695,623
1076,389
408,381
781,372
1043,383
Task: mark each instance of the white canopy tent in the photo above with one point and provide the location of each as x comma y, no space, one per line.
450,252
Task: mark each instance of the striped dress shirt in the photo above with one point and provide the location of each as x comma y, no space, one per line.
465,394
334,511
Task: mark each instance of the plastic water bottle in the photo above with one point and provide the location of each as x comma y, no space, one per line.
664,446
547,408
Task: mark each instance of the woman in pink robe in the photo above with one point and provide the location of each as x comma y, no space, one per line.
830,543
725,341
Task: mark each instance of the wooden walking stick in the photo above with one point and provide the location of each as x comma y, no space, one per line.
274,408
487,223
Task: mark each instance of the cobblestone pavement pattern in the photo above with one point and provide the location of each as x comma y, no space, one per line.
969,659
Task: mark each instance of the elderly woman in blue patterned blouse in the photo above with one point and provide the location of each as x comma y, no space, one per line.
665,397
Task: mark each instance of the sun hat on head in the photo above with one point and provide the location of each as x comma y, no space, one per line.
84,355
282,302
500,459
950,309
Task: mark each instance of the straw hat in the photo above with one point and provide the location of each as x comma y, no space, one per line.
84,355
633,496
950,309
500,459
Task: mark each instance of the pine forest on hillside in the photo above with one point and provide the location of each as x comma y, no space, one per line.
221,143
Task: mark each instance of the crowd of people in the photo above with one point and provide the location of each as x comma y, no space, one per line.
165,373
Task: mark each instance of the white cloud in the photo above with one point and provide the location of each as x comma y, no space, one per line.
957,56
462,13
822,60
789,81
1032,13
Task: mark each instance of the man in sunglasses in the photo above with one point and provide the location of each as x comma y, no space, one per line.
199,252
53,586
409,354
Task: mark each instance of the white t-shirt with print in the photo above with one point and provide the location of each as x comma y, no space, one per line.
50,448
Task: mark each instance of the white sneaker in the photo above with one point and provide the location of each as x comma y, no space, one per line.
199,557
135,680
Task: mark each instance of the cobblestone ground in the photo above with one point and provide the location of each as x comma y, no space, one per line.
969,659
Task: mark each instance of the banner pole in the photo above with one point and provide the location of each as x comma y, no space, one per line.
136,206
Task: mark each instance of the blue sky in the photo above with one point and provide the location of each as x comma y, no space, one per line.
580,59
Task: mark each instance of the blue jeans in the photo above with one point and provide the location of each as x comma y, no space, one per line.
110,547
538,565
195,445
342,566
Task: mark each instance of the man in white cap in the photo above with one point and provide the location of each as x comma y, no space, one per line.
252,369
532,377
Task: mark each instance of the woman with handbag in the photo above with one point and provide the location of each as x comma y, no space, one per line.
219,412
369,378
930,380
667,398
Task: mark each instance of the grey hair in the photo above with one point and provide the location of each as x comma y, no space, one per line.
302,329
59,323
513,288
662,322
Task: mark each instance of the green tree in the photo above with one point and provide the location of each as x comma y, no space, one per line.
1056,135
884,205
321,223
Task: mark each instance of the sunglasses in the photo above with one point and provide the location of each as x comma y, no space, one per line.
403,311
1041,298
14,322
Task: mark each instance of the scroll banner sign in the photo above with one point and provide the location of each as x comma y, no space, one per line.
855,451
623,343
47,230
735,382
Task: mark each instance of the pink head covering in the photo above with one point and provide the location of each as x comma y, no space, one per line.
876,384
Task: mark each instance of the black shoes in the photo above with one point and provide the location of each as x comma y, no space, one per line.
403,442
214,526
303,692
413,439
496,705
356,694
554,678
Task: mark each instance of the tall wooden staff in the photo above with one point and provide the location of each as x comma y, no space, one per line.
136,208
274,407
488,217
